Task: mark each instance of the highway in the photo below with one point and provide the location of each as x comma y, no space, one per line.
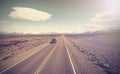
58,58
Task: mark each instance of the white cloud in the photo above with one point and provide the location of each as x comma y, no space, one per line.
104,20
15,26
30,14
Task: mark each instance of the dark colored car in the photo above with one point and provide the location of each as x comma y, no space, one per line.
53,41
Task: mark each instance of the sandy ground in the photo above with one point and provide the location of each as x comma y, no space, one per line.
57,58
101,49
91,52
16,48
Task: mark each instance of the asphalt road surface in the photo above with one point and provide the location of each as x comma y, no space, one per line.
58,58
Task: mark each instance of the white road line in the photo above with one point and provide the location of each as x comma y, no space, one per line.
23,59
70,58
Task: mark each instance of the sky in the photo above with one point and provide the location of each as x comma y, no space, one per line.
58,16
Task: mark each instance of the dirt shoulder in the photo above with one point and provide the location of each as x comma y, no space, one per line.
4,64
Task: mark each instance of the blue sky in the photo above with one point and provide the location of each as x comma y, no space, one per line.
61,16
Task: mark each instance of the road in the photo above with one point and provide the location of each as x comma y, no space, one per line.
59,58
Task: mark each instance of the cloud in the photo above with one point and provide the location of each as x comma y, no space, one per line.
30,14
104,20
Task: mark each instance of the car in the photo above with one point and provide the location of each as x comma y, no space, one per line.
53,41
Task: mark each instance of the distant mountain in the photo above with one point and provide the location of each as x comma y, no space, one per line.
13,33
